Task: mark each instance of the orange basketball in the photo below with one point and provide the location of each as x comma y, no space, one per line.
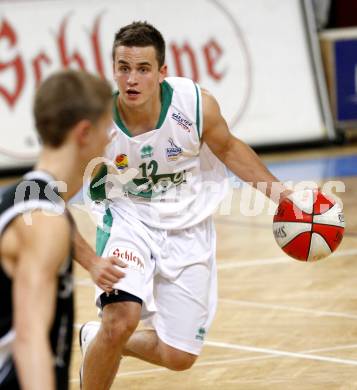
308,225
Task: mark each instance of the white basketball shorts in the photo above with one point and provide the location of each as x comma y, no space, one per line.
172,271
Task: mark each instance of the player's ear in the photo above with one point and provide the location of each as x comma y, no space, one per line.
162,73
113,70
82,131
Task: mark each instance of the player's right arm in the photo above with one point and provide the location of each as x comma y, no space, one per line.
43,246
239,157
104,271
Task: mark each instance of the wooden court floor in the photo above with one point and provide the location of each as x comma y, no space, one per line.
280,324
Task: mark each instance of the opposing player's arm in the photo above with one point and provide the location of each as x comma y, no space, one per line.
43,246
234,153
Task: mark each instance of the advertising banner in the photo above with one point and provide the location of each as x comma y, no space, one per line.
253,56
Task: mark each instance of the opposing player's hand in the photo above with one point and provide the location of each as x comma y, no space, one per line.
105,272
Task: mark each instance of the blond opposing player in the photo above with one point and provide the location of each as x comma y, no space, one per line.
72,114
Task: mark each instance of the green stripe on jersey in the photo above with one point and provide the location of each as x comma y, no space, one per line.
166,98
103,235
166,92
97,184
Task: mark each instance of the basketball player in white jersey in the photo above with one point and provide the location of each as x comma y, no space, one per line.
170,139
72,114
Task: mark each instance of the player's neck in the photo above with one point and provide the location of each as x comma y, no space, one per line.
140,119
62,166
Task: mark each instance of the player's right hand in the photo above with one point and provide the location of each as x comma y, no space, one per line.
105,272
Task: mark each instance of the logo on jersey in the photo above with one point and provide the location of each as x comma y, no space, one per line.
121,161
150,187
182,121
174,151
129,256
147,151
201,333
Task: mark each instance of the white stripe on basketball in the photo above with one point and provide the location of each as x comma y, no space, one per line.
333,216
318,248
285,232
304,200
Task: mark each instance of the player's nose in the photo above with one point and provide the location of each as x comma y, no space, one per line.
132,79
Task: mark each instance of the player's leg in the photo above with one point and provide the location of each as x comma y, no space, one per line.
119,320
121,309
185,300
146,345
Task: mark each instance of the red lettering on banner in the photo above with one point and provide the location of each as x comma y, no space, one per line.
37,67
16,65
186,60
177,55
96,47
66,60
213,52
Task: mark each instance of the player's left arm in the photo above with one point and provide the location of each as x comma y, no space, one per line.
234,153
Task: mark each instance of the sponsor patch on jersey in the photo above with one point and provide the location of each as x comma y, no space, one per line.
201,333
182,121
174,151
121,161
130,256
147,151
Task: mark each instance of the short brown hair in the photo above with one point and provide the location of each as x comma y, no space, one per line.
141,34
64,99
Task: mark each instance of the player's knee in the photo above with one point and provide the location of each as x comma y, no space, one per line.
118,324
179,360
119,331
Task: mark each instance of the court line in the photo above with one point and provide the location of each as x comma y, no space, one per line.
268,355
288,308
280,353
233,221
330,349
223,265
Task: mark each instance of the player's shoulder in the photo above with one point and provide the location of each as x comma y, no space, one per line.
185,83
44,241
181,83
210,106
48,228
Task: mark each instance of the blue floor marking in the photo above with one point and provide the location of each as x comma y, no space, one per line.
315,169
311,170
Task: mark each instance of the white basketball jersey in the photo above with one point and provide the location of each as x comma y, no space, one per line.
168,178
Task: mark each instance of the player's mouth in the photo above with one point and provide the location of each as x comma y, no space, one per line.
132,93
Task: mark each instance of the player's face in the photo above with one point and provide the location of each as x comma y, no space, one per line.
137,74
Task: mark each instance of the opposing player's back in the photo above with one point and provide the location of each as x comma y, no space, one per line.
33,207
72,115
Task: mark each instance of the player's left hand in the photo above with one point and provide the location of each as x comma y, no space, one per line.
105,272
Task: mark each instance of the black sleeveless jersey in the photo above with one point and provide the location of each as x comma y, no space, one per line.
35,191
